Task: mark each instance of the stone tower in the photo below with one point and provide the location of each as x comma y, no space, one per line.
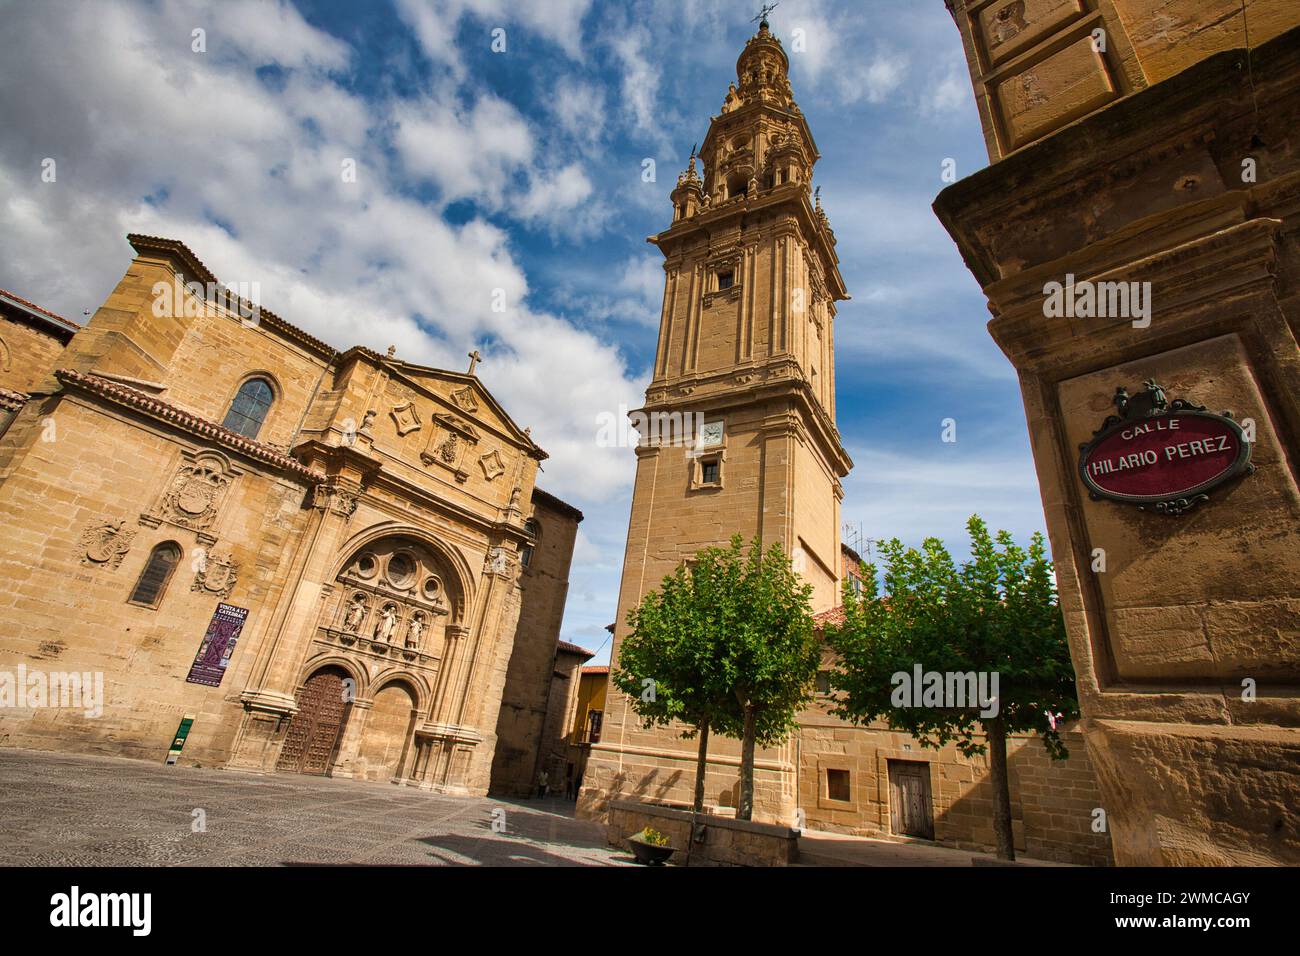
746,363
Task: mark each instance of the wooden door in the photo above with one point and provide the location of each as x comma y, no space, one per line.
910,811
314,731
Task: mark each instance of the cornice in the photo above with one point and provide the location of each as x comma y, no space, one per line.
181,420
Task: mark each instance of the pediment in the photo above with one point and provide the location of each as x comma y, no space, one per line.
466,404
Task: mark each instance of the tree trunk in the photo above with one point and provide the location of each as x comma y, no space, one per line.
701,765
745,810
997,738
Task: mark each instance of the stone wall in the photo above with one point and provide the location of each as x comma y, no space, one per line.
530,678
1182,619
27,352
725,841
1052,803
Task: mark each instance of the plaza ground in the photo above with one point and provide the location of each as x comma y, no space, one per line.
64,810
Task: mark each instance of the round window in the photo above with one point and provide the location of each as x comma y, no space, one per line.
401,570
365,566
432,588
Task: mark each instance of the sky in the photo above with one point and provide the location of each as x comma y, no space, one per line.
503,145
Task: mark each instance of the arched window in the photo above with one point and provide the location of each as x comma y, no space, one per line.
248,410
157,572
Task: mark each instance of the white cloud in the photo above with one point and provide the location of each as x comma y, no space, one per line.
467,152
926,493
250,179
437,24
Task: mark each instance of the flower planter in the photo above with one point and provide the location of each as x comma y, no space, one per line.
647,854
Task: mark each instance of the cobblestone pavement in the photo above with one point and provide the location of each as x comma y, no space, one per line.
65,810
62,810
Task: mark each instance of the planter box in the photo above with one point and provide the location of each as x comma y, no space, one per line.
727,842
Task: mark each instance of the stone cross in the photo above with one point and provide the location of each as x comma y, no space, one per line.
474,359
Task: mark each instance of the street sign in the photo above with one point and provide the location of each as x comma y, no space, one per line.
1162,456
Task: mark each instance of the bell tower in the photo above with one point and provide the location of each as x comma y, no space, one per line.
745,367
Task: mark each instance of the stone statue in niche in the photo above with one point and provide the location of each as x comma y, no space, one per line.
355,615
386,624
415,630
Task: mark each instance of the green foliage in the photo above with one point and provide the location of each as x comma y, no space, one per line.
997,612
723,633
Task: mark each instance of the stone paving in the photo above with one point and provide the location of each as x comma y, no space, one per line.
66,810
63,810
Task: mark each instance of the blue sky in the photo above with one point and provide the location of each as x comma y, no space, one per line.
521,170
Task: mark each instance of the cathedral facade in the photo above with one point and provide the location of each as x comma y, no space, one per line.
267,554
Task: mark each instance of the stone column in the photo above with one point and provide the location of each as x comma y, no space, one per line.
1182,618
345,765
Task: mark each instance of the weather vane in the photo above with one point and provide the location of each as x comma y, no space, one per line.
762,14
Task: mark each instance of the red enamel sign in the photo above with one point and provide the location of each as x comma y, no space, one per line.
1164,457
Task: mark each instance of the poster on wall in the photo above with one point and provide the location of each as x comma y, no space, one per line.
218,644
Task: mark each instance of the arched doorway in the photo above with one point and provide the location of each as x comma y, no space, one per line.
313,737
387,733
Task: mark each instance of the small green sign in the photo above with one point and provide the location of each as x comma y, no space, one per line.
178,742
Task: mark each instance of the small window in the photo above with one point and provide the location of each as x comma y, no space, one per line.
534,531
709,472
151,586
837,785
823,682
726,279
594,719
248,410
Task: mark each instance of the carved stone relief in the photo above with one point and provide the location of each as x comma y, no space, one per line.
464,399
196,493
106,544
216,575
492,465
405,418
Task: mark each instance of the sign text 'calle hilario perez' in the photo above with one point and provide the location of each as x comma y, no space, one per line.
1162,456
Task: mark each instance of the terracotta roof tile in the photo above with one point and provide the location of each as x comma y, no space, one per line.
157,408
833,615
58,319
565,647
596,669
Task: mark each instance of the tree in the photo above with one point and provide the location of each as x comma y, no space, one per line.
771,655
670,665
724,646
995,619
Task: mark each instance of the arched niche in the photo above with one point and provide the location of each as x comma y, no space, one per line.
398,592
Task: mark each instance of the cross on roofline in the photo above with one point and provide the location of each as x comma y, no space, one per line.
763,12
